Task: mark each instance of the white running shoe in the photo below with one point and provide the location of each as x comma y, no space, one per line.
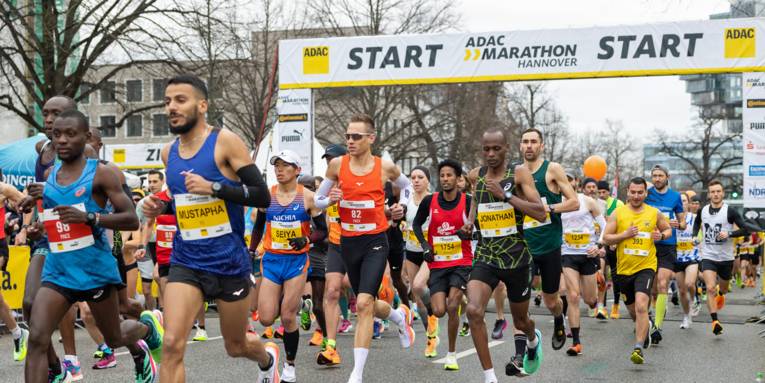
272,374
686,323
288,373
406,332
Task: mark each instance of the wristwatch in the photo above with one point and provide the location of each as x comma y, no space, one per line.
552,208
216,188
508,196
91,219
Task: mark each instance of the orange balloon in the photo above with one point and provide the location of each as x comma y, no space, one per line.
594,167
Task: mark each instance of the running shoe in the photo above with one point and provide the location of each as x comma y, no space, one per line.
376,326
574,350
451,363
602,313
155,334
288,373
655,332
20,346
686,323
538,300
559,337
720,301
406,333
74,370
106,361
431,350
637,356
255,317
328,357
499,327
272,374
717,328
200,336
279,334
675,300
317,339
64,377
145,368
615,311
305,314
696,309
433,328
161,318
345,326
465,330
533,358
515,366
268,333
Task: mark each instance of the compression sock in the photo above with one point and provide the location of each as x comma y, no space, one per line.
520,344
291,340
714,316
661,309
575,335
359,360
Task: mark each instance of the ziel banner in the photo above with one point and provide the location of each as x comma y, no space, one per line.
294,129
709,46
135,156
753,117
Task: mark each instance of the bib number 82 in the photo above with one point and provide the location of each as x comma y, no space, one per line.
355,214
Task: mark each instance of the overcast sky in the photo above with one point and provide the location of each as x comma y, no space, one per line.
643,104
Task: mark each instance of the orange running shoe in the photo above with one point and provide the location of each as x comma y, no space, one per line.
574,350
317,338
433,329
328,357
268,333
720,301
386,291
255,317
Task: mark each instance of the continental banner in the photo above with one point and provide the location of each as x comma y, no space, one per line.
753,138
708,46
13,279
293,129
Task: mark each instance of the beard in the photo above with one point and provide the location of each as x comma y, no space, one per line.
191,121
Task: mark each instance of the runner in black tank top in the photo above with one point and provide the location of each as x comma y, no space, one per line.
502,196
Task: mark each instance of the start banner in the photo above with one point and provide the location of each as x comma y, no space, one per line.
689,47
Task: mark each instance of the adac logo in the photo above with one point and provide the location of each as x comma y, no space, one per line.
316,60
740,43
445,229
79,192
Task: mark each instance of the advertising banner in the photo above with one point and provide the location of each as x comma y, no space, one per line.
689,47
294,128
753,117
13,279
135,156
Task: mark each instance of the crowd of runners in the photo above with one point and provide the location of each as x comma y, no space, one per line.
355,249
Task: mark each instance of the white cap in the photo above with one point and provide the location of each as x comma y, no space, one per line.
287,156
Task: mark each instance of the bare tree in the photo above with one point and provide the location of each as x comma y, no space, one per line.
532,106
47,49
705,150
621,153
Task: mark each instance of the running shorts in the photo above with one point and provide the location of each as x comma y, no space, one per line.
680,267
335,262
415,257
365,257
442,280
212,286
667,255
550,268
280,268
146,269
318,261
583,264
640,282
724,269
73,296
517,281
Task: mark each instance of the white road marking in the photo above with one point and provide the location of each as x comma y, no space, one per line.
470,351
189,342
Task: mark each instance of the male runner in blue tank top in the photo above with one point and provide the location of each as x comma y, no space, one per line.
211,177
80,266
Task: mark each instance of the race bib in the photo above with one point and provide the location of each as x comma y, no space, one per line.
165,235
639,245
496,219
447,248
282,232
333,214
65,237
531,223
685,245
358,216
577,238
201,217
412,240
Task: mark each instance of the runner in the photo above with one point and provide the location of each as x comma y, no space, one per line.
687,264
317,255
604,193
633,228
668,201
39,248
544,236
503,195
334,275
20,335
358,180
580,252
716,223
80,266
285,264
210,172
418,271
446,249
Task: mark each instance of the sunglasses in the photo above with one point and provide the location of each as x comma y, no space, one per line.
356,136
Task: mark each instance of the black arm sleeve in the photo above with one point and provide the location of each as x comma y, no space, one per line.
734,217
697,225
419,219
320,228
254,191
257,230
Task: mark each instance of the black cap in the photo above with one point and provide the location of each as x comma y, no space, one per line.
602,185
588,180
334,150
